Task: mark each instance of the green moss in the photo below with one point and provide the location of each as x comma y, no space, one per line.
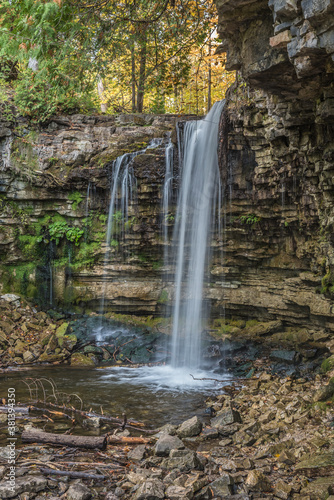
18,278
251,322
163,297
142,321
76,198
328,364
28,244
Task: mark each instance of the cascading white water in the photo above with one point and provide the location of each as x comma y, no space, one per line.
166,197
123,188
6,153
198,198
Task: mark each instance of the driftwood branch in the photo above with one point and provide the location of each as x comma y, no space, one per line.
80,475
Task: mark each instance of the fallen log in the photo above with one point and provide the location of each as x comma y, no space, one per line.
88,442
70,473
127,440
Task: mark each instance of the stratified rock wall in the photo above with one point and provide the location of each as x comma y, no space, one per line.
278,160
58,178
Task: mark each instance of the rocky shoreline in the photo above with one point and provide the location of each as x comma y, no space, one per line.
266,436
269,439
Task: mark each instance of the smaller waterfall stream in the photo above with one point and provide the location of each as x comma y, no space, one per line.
123,187
199,194
167,196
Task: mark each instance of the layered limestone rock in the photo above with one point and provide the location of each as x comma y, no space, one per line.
277,158
55,193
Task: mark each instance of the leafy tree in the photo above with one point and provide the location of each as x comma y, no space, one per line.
140,51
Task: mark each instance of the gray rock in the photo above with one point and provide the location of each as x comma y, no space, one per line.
313,8
153,489
284,8
167,429
222,486
227,417
28,356
93,423
166,443
178,493
78,491
183,460
10,297
284,356
257,481
189,428
119,492
138,453
27,484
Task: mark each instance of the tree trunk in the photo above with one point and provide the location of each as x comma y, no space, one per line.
142,70
209,78
88,442
133,78
100,90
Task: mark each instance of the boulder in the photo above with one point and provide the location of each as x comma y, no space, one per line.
79,359
284,356
226,417
138,453
257,481
78,491
27,484
189,428
316,465
183,460
282,490
178,493
222,486
152,489
319,489
28,357
326,392
166,443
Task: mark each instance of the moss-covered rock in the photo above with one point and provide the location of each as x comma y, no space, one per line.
61,332
79,359
326,392
328,364
317,465
50,358
68,341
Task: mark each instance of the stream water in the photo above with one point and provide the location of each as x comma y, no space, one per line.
153,395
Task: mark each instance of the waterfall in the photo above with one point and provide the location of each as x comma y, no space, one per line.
197,205
122,195
6,153
166,196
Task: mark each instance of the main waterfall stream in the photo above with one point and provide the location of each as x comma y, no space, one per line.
197,205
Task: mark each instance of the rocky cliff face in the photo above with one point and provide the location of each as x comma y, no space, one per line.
55,192
277,156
